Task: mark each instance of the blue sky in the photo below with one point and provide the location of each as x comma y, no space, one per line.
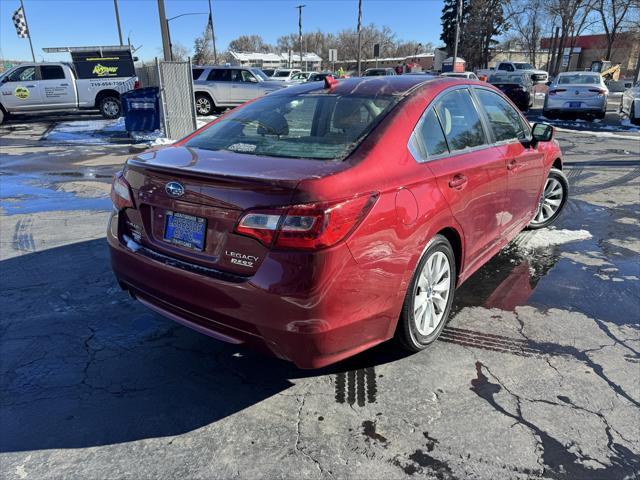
92,22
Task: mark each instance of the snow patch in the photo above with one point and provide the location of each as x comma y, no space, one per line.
549,237
93,132
202,121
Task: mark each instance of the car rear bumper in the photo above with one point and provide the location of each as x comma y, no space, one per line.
307,311
562,105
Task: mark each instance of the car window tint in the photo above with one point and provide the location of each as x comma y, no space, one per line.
460,120
504,120
219,75
24,74
196,72
430,131
51,72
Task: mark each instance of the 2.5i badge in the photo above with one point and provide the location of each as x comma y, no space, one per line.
241,259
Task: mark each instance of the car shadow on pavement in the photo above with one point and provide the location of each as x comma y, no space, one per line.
83,365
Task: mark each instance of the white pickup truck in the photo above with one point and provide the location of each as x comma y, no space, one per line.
35,87
508,68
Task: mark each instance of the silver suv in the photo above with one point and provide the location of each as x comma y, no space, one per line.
217,87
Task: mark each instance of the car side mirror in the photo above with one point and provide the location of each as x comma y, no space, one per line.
541,132
548,84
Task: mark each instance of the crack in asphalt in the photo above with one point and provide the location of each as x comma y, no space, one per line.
559,462
296,446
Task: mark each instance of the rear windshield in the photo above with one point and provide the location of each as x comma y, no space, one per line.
579,79
524,66
316,126
282,73
375,73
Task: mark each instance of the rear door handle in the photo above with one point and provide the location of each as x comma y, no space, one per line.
458,181
64,84
31,86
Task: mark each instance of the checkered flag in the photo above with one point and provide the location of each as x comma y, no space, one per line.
20,23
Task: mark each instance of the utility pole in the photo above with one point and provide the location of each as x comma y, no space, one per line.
457,39
115,6
164,30
213,35
300,7
359,36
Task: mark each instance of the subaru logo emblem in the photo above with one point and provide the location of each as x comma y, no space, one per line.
174,189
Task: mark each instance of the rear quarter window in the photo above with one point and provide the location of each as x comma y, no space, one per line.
196,72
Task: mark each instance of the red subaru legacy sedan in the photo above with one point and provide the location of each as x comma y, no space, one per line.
325,218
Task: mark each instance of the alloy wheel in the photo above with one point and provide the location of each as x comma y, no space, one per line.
432,293
203,106
550,202
111,108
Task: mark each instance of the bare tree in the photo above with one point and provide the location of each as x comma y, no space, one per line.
527,18
249,43
565,11
612,14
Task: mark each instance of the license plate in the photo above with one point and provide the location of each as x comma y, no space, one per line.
185,230
574,104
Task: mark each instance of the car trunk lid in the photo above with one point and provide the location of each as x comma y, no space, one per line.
215,189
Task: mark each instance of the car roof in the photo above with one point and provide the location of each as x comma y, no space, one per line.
579,72
388,85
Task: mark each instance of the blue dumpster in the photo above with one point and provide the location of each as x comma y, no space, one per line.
141,109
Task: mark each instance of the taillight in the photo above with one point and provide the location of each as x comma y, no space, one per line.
599,91
136,84
121,192
306,227
556,91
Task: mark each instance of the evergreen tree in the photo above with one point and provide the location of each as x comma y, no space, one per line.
448,20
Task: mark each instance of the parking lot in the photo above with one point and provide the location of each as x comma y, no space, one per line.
537,375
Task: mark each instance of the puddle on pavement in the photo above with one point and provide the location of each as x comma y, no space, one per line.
21,194
592,276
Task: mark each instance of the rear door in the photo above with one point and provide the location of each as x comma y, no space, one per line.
469,171
219,82
20,90
56,87
524,167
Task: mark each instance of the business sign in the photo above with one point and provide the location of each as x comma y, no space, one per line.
333,55
103,64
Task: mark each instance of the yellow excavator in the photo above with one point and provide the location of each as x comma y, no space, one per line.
606,69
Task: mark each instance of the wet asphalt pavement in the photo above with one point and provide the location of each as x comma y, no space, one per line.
537,375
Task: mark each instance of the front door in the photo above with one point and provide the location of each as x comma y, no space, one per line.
524,164
20,89
56,90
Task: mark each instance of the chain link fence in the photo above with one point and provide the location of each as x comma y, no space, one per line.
177,106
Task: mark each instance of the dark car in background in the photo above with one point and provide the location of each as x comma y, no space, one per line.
379,72
518,87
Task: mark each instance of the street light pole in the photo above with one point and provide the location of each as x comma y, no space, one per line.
300,7
455,45
359,36
169,30
213,35
115,6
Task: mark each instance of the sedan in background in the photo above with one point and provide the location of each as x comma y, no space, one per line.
467,75
576,94
319,76
518,87
379,72
630,104
325,218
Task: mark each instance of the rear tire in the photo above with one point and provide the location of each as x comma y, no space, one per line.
204,104
601,115
110,107
552,201
549,114
429,297
1,115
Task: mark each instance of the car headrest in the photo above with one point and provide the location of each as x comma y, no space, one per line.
346,114
273,123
